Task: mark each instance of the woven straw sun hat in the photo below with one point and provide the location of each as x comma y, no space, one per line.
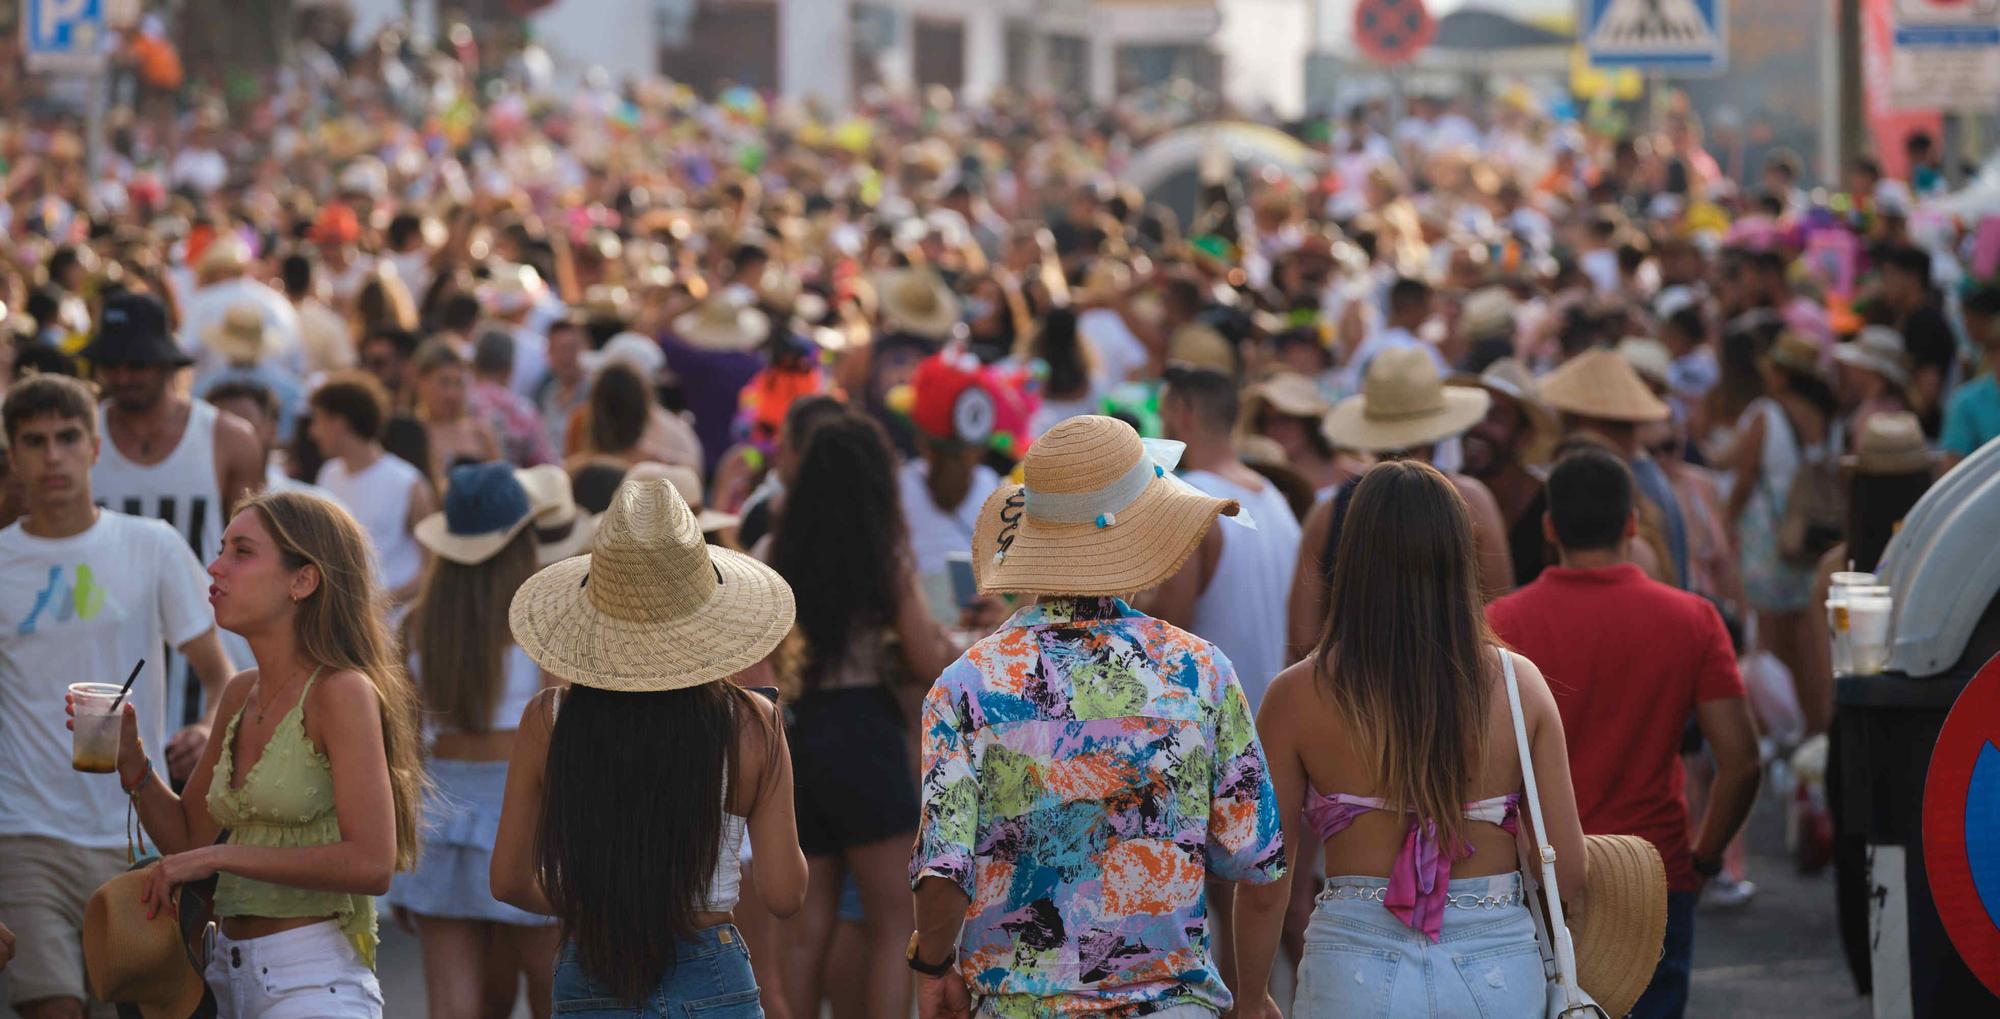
724,322
1287,393
653,606
562,528
1098,514
1403,404
135,961
1600,385
1623,922
1890,444
485,506
687,481
1878,349
242,337
918,302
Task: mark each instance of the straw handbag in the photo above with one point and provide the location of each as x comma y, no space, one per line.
1567,999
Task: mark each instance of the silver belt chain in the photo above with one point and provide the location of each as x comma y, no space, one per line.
1368,893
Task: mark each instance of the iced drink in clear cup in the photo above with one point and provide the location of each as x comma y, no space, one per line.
94,741
1868,612
1836,617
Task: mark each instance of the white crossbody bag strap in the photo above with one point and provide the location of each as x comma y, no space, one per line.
1556,932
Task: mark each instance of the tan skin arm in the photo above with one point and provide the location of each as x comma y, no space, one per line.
512,871
1260,909
1815,679
1305,610
177,823
1551,753
239,461
1732,738
423,503
1746,461
1175,599
1489,536
926,648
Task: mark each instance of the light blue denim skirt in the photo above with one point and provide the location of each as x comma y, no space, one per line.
461,820
1361,961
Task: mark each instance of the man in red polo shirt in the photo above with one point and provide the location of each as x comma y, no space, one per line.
1628,659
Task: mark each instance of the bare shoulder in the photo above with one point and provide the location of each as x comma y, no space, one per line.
233,432
539,717
1291,687
344,690
235,692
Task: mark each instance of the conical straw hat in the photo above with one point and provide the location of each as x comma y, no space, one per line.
1097,516
1603,386
1623,922
653,606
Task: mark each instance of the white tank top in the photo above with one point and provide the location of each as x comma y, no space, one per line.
379,498
182,490
523,681
1242,610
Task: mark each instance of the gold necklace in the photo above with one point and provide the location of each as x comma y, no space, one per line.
263,704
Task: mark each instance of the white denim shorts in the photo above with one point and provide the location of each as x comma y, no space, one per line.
309,973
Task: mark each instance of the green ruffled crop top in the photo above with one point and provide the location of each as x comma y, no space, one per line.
285,802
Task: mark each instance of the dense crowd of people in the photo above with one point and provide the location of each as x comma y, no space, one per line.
677,529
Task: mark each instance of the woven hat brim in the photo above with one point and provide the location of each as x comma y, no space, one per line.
1348,425
557,624
1145,544
466,550
1619,931
1547,431
1869,360
577,542
1639,408
710,336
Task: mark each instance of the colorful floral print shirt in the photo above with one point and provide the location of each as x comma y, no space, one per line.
1085,769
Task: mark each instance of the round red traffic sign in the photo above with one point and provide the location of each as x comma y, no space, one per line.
1392,31
1962,825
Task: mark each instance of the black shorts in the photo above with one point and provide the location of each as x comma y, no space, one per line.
852,778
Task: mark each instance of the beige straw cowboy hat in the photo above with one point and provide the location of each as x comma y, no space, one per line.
1508,379
1891,443
1403,404
242,337
687,482
1878,349
1100,514
1623,922
916,301
562,528
131,960
1287,393
653,606
1600,385
724,322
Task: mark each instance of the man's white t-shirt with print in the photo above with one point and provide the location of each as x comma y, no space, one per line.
83,609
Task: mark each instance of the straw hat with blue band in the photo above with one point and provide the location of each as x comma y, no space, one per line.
485,506
1100,513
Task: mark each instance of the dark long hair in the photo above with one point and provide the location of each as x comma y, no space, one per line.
631,823
620,402
1876,503
1406,639
458,633
840,542
1069,360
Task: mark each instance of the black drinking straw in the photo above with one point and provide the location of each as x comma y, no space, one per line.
122,691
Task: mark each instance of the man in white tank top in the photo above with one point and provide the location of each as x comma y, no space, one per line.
167,456
384,492
1233,592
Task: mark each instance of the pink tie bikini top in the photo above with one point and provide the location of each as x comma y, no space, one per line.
1420,880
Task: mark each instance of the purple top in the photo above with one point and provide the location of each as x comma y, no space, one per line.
1420,880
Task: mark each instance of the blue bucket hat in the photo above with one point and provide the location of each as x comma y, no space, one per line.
485,506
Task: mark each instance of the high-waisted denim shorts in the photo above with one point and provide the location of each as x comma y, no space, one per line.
1361,961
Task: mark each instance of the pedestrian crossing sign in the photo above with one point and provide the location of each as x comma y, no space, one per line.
1682,38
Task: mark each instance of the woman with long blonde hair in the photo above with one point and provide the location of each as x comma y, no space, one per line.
1392,745
317,777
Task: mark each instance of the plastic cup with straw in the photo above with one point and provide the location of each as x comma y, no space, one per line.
95,731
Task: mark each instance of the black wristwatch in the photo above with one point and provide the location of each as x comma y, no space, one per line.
925,968
1707,868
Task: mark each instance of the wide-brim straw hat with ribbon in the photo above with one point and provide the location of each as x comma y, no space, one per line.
485,506
1623,923
1509,379
132,960
1600,385
242,337
1100,513
653,606
562,528
1878,349
687,481
1403,404
1890,443
724,322
916,301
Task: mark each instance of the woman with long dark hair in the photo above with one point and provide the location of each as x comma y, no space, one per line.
475,683
1393,746
869,637
317,777
630,793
